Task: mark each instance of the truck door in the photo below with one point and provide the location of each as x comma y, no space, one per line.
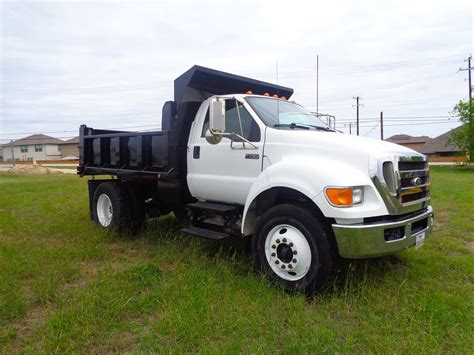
225,171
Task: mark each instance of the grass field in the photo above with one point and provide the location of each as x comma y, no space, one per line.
66,286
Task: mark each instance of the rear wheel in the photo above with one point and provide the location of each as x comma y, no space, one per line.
292,249
113,209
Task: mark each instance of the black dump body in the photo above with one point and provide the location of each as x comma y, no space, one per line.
161,155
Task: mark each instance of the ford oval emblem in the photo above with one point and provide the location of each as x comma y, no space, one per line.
416,181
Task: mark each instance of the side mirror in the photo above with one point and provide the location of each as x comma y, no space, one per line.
216,121
212,138
217,116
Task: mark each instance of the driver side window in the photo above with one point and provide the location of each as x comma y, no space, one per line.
249,129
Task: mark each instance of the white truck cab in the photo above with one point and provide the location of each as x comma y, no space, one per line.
374,193
246,162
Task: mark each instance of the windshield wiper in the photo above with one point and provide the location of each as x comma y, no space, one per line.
303,126
291,125
327,129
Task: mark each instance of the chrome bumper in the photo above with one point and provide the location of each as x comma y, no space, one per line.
368,240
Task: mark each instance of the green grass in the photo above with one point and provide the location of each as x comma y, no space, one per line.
66,286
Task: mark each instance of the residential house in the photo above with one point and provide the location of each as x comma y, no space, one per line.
70,149
415,143
442,147
34,147
438,149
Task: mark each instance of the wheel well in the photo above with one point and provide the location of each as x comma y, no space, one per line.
279,195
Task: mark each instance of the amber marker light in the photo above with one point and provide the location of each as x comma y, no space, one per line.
339,197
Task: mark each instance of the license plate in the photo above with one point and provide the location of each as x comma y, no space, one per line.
420,240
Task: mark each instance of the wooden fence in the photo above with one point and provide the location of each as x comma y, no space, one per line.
453,159
44,162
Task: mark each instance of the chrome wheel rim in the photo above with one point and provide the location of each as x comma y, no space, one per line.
288,252
104,210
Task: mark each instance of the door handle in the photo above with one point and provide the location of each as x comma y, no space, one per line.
196,152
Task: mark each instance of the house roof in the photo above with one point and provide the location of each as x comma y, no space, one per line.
74,140
406,139
440,144
37,139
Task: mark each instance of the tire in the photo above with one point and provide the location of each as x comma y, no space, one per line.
292,249
113,209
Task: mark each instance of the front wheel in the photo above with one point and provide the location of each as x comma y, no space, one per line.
291,247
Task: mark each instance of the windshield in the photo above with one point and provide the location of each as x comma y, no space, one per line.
280,113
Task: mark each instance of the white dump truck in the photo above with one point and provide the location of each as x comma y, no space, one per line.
243,161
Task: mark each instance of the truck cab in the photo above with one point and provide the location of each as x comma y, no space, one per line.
252,164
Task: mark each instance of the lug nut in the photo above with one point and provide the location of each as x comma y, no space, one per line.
273,254
277,262
291,244
274,246
283,267
290,266
278,241
294,260
295,252
284,240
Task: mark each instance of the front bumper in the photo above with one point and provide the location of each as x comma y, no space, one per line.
370,239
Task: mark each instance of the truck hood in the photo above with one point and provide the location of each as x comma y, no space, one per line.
352,150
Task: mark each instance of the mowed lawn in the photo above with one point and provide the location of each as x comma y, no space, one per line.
66,286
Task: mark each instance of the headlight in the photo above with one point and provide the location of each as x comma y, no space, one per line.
344,196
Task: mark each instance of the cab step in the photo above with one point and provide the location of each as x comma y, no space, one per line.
204,233
217,208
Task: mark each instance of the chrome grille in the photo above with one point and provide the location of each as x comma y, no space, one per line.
403,182
414,181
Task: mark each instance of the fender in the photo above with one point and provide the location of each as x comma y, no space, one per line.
313,175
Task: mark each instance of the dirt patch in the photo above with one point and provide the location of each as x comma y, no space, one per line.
441,218
38,170
470,246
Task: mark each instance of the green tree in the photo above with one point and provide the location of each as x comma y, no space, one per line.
464,137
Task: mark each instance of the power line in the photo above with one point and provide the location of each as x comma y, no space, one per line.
442,119
374,127
410,124
17,133
335,70
419,102
344,124
401,117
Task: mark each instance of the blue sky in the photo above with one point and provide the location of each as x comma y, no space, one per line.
111,64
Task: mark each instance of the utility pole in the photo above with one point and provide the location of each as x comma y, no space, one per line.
469,77
381,125
350,126
469,80
469,69
357,98
13,153
317,83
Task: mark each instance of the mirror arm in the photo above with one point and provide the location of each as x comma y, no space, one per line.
242,138
238,115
